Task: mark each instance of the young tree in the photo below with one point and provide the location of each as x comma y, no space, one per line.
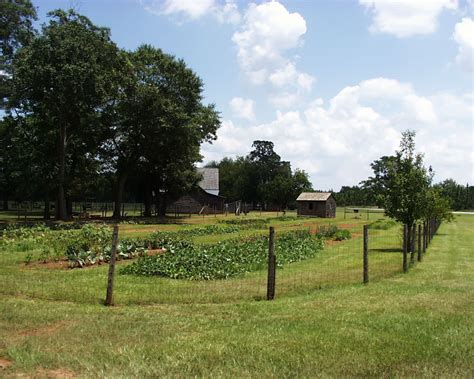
67,77
437,207
402,182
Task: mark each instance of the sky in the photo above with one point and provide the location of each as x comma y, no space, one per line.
332,83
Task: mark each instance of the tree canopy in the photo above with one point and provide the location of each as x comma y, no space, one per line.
261,178
403,186
82,112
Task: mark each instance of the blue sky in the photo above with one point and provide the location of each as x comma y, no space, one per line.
331,83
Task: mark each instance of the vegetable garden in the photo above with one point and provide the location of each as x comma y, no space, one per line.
207,260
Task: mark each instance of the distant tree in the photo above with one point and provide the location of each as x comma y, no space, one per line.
301,183
376,185
461,197
261,178
67,77
355,195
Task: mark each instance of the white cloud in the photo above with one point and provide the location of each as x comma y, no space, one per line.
267,32
464,36
335,142
288,75
242,108
225,12
405,18
267,35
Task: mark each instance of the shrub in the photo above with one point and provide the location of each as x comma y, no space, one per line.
333,232
382,224
342,234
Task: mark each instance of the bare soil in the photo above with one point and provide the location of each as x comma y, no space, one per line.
64,264
5,363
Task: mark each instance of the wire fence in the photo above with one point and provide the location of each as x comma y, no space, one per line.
376,251
371,255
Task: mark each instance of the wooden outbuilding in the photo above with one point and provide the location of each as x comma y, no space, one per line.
204,199
316,204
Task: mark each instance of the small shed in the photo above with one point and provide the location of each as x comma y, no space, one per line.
316,204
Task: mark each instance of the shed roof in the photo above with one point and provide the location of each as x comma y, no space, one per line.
314,196
210,178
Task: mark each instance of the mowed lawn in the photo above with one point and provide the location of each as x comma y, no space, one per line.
415,324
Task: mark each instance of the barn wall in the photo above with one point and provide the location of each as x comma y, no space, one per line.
193,203
320,208
185,204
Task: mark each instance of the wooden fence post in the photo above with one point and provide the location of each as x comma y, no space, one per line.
430,231
366,254
412,244
109,300
424,237
419,242
405,247
271,265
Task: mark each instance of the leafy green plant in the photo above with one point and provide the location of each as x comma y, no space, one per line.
327,231
382,224
184,260
28,258
89,245
342,234
246,223
333,232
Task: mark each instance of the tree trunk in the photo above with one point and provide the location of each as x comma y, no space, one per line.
161,205
409,227
69,207
61,208
5,204
147,201
46,214
118,198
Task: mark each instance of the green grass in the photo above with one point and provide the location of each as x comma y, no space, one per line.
322,323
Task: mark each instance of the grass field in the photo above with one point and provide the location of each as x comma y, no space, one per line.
323,322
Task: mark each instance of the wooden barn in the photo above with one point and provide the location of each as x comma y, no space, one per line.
206,198
316,204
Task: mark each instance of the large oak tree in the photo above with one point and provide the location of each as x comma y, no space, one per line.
67,76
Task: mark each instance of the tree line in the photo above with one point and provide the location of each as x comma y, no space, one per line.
261,178
84,118
460,197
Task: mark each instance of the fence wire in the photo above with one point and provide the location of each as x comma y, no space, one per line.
338,263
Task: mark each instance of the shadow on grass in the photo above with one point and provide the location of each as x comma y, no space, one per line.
386,250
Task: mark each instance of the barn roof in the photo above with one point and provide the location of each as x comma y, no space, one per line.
313,196
210,178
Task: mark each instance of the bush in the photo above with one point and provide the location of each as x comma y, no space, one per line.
382,224
333,232
342,234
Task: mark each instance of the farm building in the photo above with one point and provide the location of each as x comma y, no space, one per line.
206,198
317,204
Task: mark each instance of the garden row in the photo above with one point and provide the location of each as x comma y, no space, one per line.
178,256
